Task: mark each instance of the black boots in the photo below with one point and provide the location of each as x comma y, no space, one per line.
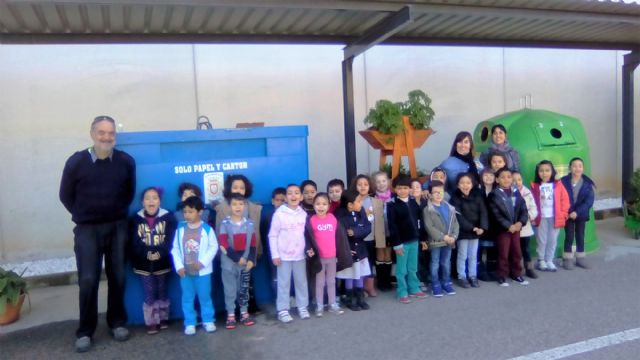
352,300
355,300
383,272
360,299
529,272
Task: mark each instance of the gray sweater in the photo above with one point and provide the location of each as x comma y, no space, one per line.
437,226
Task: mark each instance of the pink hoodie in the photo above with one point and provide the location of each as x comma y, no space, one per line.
286,236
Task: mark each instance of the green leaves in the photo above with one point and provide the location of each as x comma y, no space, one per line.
11,286
419,110
633,206
386,116
635,185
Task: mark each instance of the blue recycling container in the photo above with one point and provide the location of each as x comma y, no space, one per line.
269,156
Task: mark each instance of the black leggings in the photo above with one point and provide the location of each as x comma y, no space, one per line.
371,253
571,229
524,247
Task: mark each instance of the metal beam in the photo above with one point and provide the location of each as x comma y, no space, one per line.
349,119
631,62
373,36
136,38
485,42
70,39
380,32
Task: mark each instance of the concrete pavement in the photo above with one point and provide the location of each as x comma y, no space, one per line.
486,323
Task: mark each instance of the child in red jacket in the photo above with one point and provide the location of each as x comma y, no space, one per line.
552,201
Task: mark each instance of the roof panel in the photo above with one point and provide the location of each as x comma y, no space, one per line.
70,13
175,21
269,21
286,20
8,22
319,24
527,21
552,27
430,24
93,18
26,17
479,26
454,28
492,30
254,18
370,20
300,25
218,19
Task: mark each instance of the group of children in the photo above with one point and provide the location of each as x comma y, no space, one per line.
336,241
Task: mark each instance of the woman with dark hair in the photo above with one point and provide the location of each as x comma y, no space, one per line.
500,143
240,184
460,161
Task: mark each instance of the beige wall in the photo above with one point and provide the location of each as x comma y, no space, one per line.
49,94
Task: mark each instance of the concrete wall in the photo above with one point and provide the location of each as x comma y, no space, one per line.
49,94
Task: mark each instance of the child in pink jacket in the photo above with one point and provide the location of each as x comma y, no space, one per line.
288,253
552,201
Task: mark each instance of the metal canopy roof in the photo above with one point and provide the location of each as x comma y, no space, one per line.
539,23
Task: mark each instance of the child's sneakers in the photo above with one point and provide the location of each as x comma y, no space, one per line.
284,316
503,282
448,289
209,327
463,283
335,309
304,313
189,330
551,266
404,300
520,280
418,295
319,311
436,291
231,322
542,265
246,320
474,282
567,264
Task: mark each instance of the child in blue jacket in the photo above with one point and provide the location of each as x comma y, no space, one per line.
581,196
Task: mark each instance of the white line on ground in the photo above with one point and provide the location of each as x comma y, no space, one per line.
561,352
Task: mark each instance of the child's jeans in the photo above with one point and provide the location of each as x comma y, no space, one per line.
326,276
509,254
440,259
407,269
547,237
299,271
571,229
467,250
235,280
154,287
193,285
155,307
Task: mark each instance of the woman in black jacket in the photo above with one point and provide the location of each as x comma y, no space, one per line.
472,217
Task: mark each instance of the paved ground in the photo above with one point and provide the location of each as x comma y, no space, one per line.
485,323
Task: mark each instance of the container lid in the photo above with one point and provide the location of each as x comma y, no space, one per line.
554,135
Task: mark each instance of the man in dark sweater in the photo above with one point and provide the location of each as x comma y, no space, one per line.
97,186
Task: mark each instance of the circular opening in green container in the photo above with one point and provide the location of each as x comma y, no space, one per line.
556,133
484,134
